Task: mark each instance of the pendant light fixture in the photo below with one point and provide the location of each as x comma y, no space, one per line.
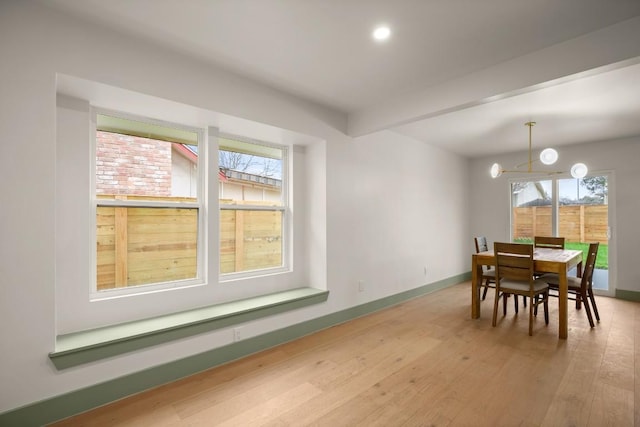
548,156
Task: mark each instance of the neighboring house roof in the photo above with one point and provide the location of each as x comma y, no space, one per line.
186,151
536,202
252,178
191,153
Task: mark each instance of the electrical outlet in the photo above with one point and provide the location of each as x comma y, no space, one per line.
237,335
360,286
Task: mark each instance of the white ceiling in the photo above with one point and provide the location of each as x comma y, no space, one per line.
601,107
321,50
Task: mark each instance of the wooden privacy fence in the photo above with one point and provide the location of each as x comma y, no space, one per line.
137,246
250,240
576,223
142,245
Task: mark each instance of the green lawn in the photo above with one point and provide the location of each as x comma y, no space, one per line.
602,261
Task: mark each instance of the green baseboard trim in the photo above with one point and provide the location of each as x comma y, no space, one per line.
628,295
87,346
82,400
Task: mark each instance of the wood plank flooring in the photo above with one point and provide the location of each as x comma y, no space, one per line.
421,363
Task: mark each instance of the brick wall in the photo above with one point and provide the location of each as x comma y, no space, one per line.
132,165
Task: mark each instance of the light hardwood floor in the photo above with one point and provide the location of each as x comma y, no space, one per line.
421,363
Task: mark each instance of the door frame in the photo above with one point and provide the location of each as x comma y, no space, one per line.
611,215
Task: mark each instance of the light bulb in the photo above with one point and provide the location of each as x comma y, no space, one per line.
548,156
579,170
381,33
496,170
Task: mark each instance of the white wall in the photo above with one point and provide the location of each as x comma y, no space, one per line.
354,216
184,176
490,199
238,191
402,205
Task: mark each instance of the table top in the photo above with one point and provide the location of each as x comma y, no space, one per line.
544,254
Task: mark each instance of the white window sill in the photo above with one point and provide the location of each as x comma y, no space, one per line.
88,346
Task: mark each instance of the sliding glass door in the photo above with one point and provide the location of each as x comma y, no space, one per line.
531,210
576,209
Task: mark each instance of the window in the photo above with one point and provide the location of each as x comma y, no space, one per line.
577,209
531,207
147,203
253,205
176,283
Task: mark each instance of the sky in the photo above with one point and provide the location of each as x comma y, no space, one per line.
569,188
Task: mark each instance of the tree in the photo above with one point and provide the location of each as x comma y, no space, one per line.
597,186
248,163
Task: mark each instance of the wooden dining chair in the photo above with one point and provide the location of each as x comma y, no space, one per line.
514,275
488,272
580,288
548,242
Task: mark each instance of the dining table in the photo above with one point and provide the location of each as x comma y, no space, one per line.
545,260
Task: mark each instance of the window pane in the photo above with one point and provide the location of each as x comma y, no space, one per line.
250,240
583,217
140,161
531,210
250,173
144,160
138,246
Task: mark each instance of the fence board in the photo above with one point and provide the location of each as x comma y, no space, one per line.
161,243
156,245
577,223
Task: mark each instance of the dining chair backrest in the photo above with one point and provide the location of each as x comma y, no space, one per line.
481,244
514,276
514,261
589,265
488,272
548,242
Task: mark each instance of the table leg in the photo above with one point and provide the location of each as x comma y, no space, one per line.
476,277
563,296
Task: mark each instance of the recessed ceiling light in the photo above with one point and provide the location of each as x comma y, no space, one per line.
381,33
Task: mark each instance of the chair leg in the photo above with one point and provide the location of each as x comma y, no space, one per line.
593,304
515,303
545,303
583,296
504,304
524,301
486,288
496,301
531,318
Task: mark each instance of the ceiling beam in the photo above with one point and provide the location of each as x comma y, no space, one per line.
609,48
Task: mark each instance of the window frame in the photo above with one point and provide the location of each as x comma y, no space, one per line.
555,217
284,208
199,204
